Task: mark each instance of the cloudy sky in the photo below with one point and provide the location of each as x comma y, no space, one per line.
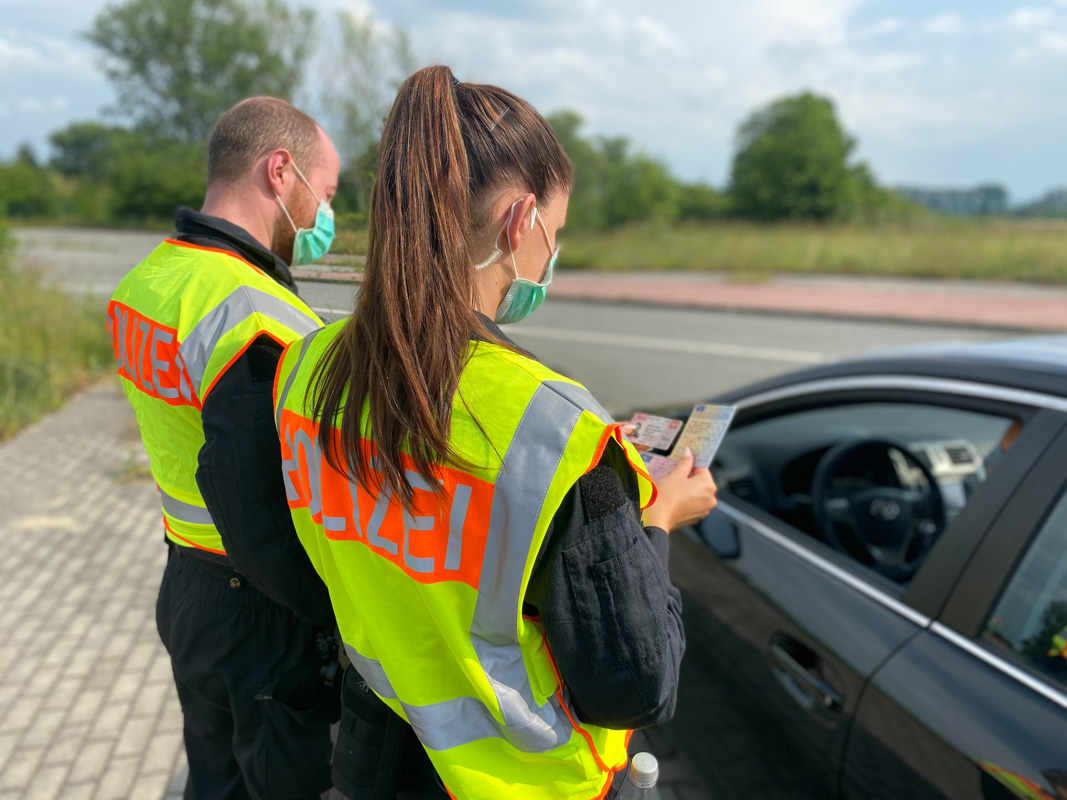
938,94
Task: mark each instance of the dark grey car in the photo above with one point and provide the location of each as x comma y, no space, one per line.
872,610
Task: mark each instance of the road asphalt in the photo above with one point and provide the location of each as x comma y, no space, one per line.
87,703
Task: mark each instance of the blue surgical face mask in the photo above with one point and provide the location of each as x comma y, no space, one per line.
524,296
311,244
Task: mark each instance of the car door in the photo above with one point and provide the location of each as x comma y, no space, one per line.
976,706
784,632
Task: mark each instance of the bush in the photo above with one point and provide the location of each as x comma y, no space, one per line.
50,345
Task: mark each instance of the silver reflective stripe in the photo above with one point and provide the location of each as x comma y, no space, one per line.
580,396
290,465
372,672
184,511
292,377
521,488
440,726
519,495
239,305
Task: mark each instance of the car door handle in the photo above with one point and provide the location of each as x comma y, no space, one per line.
805,685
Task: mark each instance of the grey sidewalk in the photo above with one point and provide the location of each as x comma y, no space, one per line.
87,702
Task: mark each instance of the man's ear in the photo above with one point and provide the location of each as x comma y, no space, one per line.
276,163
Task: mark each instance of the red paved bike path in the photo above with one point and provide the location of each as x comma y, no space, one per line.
1011,306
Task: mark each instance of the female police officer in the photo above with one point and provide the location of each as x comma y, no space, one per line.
476,516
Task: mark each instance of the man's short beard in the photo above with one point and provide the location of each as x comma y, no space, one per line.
283,239
303,213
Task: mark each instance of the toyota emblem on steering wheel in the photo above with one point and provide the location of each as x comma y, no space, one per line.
885,510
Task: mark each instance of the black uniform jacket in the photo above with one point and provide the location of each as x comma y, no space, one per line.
600,584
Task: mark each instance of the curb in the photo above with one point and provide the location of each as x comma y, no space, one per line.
710,304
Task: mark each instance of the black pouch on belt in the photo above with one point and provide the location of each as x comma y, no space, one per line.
371,743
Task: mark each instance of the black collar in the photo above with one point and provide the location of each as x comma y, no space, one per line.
206,231
494,329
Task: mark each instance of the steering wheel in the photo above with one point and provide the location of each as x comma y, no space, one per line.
892,521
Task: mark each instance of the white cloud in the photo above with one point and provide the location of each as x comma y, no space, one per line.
950,23
1026,18
1054,41
883,27
32,105
23,52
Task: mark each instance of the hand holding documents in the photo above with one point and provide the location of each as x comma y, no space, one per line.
702,433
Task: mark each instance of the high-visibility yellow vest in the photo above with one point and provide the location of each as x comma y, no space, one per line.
429,599
177,321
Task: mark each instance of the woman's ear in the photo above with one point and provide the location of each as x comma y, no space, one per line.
522,219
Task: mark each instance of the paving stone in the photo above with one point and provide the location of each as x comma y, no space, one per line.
91,762
44,728
135,732
47,783
86,705
20,716
20,768
125,686
8,743
81,791
63,694
163,749
151,787
110,721
65,748
97,715
117,778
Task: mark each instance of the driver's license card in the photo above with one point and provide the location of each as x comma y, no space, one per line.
654,432
658,466
703,433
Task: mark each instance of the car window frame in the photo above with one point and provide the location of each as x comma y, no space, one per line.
999,554
929,591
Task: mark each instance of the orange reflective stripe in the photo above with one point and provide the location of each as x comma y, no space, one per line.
237,355
147,355
194,545
431,543
577,726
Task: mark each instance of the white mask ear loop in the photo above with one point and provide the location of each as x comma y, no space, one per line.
278,197
497,252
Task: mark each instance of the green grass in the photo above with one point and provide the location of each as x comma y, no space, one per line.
992,250
1002,250
349,241
51,344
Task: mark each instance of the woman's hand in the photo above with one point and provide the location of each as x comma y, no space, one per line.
685,497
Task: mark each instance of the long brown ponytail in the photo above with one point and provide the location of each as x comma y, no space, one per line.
445,146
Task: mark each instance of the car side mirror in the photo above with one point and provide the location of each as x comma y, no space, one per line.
720,533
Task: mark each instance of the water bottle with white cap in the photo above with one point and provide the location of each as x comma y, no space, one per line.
641,779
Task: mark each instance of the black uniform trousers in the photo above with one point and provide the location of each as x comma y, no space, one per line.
256,715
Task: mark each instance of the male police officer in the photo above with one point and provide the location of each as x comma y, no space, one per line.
197,328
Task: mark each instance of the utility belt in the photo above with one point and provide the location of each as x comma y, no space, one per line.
213,564
377,754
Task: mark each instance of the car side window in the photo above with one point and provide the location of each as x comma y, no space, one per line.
876,481
1030,620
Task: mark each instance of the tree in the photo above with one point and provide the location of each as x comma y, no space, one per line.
368,63
26,190
587,194
178,64
84,149
792,162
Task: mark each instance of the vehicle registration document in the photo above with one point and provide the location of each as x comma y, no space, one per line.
703,432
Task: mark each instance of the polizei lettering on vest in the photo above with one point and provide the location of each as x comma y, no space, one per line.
146,354
441,538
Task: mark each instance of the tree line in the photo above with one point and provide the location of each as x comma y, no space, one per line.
177,64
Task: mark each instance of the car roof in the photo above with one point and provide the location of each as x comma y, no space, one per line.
1033,364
